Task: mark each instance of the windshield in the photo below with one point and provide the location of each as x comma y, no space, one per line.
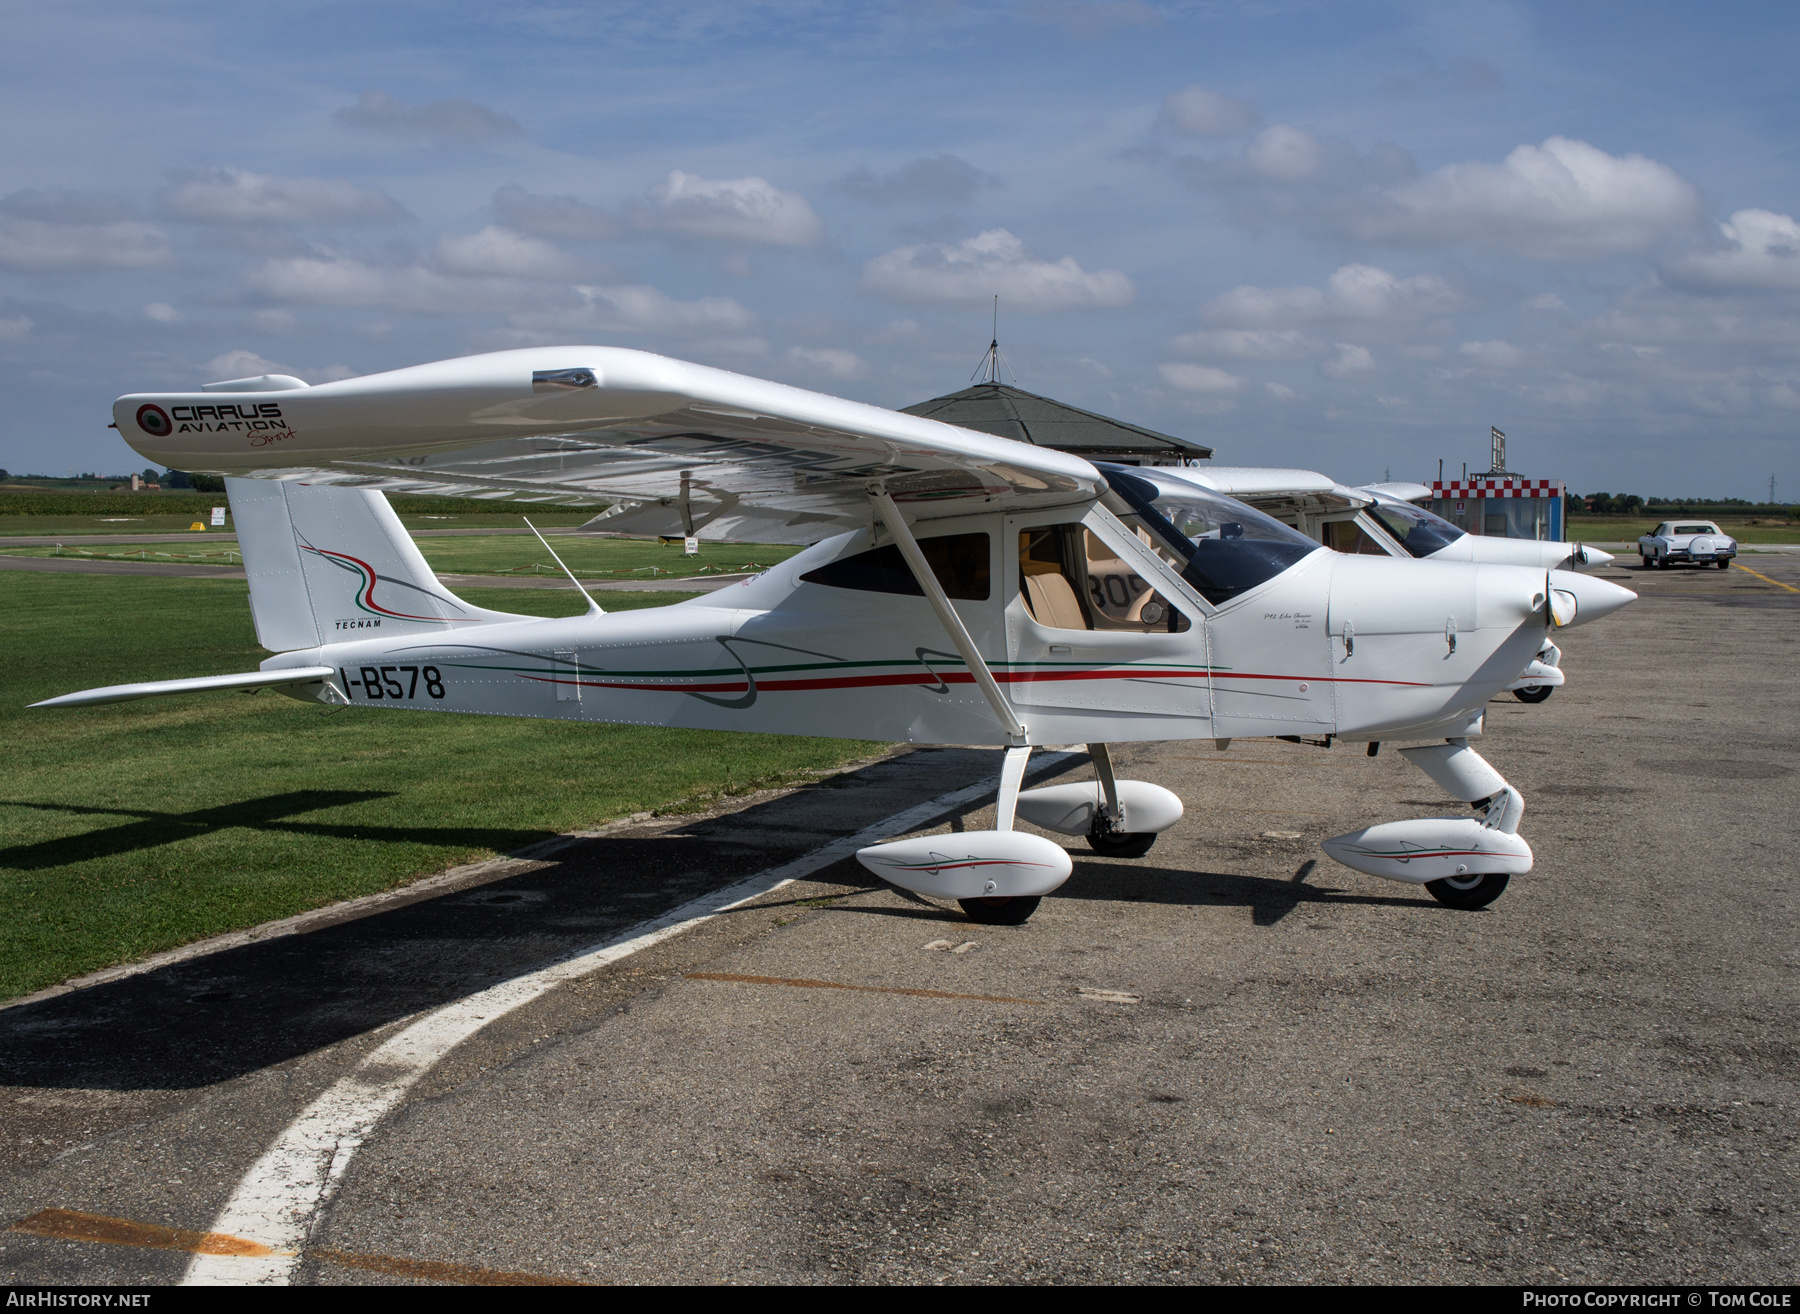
1225,547
1419,532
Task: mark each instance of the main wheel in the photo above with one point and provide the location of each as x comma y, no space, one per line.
1001,912
1535,693
1120,843
1468,892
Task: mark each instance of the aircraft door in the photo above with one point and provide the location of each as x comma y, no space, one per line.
1091,626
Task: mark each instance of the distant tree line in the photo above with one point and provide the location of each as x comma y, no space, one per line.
1630,504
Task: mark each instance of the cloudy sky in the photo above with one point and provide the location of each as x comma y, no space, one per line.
1348,236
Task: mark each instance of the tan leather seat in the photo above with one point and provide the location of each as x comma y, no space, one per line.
1051,598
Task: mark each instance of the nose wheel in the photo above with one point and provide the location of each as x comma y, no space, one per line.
1120,843
1468,892
1000,912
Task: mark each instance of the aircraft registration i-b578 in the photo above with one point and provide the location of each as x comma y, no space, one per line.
956,588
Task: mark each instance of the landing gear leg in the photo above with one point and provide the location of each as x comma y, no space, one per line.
1105,837
1015,909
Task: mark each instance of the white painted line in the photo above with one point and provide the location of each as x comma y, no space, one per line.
278,1200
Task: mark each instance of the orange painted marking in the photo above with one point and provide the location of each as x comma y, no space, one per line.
1764,578
803,984
71,1225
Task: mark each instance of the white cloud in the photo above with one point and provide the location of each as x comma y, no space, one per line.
733,210
501,251
1495,355
242,364
837,363
237,196
1762,253
1353,292
33,241
450,120
1280,391
1249,344
15,329
1563,199
972,271
1201,112
636,308
1546,301
162,312
328,280
1283,153
1199,378
555,216
1350,359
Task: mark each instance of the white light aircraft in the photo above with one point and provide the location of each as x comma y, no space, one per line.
1382,519
959,588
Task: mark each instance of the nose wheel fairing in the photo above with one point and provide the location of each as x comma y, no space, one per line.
1457,851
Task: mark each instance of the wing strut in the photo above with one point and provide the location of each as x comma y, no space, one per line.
940,603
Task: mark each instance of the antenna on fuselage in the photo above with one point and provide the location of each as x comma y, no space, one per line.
594,608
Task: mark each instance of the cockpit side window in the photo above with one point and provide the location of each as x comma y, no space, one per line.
960,562
1226,548
1071,580
1418,530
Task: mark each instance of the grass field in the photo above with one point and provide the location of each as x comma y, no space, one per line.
484,554
1626,529
113,523
137,827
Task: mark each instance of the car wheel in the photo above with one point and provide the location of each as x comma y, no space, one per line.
1468,892
1001,912
1724,563
1535,693
1645,558
1662,563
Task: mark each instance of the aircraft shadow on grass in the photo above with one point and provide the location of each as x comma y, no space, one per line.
209,1019
152,829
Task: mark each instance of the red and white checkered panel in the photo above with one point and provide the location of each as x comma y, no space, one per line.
1507,486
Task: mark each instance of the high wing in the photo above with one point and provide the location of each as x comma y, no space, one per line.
1278,492
677,448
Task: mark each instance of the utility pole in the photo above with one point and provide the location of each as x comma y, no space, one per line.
1771,490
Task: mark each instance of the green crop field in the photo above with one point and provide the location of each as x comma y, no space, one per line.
141,826
1627,529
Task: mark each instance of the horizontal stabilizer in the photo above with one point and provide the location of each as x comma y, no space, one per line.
125,693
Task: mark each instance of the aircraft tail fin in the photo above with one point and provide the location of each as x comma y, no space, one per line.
332,565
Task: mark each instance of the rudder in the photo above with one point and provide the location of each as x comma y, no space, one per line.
331,565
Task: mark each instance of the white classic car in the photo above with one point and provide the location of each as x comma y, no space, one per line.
1697,542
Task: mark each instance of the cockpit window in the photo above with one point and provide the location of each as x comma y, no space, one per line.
1419,532
1226,548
